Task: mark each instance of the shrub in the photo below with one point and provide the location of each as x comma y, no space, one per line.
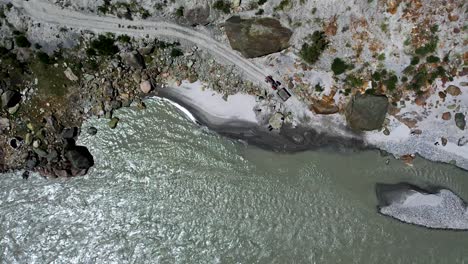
260,12
104,45
124,38
223,6
428,48
339,66
180,11
432,59
310,53
43,57
415,60
261,2
22,41
176,52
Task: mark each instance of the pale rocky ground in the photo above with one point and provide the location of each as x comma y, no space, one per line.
358,33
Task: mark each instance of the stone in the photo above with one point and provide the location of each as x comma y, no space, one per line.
10,99
79,157
444,141
70,133
40,152
145,87
462,141
133,60
113,122
13,110
366,112
70,75
276,121
324,108
446,116
29,139
460,121
453,90
257,36
146,50
36,143
198,15
4,124
92,131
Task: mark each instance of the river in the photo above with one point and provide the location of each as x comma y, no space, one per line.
164,190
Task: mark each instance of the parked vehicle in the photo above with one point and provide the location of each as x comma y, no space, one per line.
274,84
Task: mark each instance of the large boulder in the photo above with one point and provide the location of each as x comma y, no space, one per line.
198,15
258,36
10,99
460,120
79,157
134,60
433,208
366,112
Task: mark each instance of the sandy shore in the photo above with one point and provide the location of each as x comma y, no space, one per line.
236,118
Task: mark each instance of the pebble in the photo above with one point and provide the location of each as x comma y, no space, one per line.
113,122
92,131
36,143
145,87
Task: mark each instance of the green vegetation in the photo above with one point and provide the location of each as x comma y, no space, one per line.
43,57
354,81
22,41
51,80
261,2
339,66
104,46
179,12
318,88
390,80
381,57
223,6
124,38
428,48
415,60
175,52
284,4
310,53
432,59
260,12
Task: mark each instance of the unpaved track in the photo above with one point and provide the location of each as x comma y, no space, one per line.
45,12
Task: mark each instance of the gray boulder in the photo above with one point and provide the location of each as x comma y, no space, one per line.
366,112
460,121
198,15
433,208
10,99
134,60
79,157
258,36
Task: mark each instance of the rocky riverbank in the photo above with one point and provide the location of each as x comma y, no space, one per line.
58,69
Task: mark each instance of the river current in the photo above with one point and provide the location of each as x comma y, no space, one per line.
165,190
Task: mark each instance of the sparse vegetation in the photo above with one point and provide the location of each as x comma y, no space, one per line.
175,52
104,46
284,4
223,6
43,57
339,66
179,12
310,53
22,41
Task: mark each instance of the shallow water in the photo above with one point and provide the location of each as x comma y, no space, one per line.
167,191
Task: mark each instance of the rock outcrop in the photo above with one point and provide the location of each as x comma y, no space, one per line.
366,112
436,208
198,15
79,157
258,36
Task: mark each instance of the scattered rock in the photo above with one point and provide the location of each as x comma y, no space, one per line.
70,75
113,122
4,124
446,116
444,141
366,112
36,143
70,132
133,60
453,90
323,108
10,99
198,15
460,121
79,157
462,141
92,131
258,36
145,87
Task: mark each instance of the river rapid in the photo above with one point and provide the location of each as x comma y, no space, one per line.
165,190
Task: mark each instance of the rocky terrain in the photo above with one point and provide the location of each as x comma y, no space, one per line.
378,66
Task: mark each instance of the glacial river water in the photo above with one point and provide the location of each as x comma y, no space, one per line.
167,191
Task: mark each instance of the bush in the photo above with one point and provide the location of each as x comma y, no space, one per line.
261,2
22,41
428,48
222,6
339,66
180,11
176,52
104,45
124,38
43,57
432,59
311,52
